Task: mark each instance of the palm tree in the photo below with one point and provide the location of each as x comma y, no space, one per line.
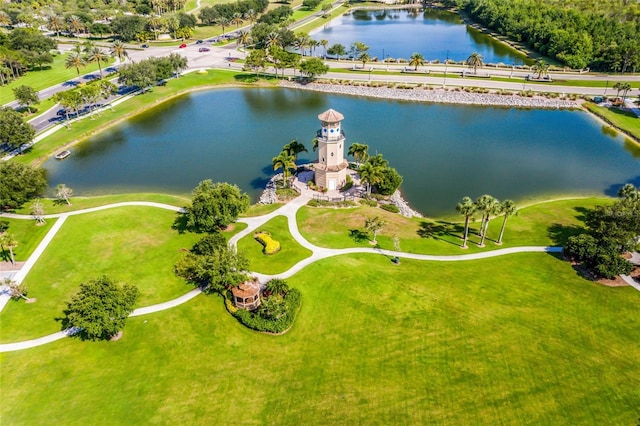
378,161
9,241
55,23
285,161
75,24
370,174
487,206
250,15
466,208
237,19
5,19
314,144
416,60
364,57
313,44
155,23
625,89
324,43
98,55
244,38
273,40
541,67
475,60
277,286
75,60
359,152
507,208
294,148
223,22
301,41
119,50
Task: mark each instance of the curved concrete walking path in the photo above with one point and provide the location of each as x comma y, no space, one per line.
289,210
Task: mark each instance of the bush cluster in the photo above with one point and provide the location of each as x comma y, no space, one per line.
325,203
390,208
275,315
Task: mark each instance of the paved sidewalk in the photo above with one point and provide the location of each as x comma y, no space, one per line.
289,210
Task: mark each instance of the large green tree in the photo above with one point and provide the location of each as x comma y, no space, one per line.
14,131
214,206
212,265
26,96
313,67
18,183
101,307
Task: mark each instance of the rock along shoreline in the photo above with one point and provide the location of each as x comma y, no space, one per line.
423,94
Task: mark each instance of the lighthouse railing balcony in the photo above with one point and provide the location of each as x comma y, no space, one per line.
320,136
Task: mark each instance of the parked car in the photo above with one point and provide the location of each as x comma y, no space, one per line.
204,49
199,42
182,46
144,46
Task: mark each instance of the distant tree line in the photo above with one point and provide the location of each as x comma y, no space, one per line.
148,72
225,13
601,35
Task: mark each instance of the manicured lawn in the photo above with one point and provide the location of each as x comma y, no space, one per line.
290,253
540,224
131,244
624,120
28,235
87,127
41,79
52,205
260,209
511,340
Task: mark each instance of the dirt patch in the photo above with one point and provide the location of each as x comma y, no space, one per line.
116,336
614,282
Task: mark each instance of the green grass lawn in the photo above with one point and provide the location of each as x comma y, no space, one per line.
85,128
52,206
28,235
260,209
131,244
290,252
41,79
540,224
511,340
624,120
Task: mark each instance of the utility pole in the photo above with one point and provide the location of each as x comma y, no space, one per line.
444,83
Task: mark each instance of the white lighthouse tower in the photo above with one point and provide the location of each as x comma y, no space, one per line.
331,168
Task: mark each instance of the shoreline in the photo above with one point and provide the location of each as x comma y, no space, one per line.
443,96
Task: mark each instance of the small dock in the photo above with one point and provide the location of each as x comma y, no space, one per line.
63,154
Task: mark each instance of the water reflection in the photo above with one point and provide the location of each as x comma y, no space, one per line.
431,32
444,152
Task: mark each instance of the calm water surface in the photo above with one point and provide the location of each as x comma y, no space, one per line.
444,152
400,32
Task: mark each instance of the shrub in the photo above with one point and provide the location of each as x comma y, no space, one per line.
270,246
349,183
368,202
286,193
275,315
390,208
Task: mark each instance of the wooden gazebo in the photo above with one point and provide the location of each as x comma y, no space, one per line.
247,295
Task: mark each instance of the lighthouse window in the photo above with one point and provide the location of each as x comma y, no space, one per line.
332,154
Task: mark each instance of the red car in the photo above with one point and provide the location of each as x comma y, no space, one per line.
182,46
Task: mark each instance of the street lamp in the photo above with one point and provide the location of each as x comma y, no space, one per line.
444,83
513,66
370,69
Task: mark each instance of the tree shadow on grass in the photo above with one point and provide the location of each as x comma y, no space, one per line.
246,78
358,236
559,234
180,223
441,231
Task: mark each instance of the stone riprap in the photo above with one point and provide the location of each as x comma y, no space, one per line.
422,94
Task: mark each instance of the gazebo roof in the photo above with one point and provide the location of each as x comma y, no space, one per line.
246,289
331,116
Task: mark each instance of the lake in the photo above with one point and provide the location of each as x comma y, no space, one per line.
444,152
397,33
